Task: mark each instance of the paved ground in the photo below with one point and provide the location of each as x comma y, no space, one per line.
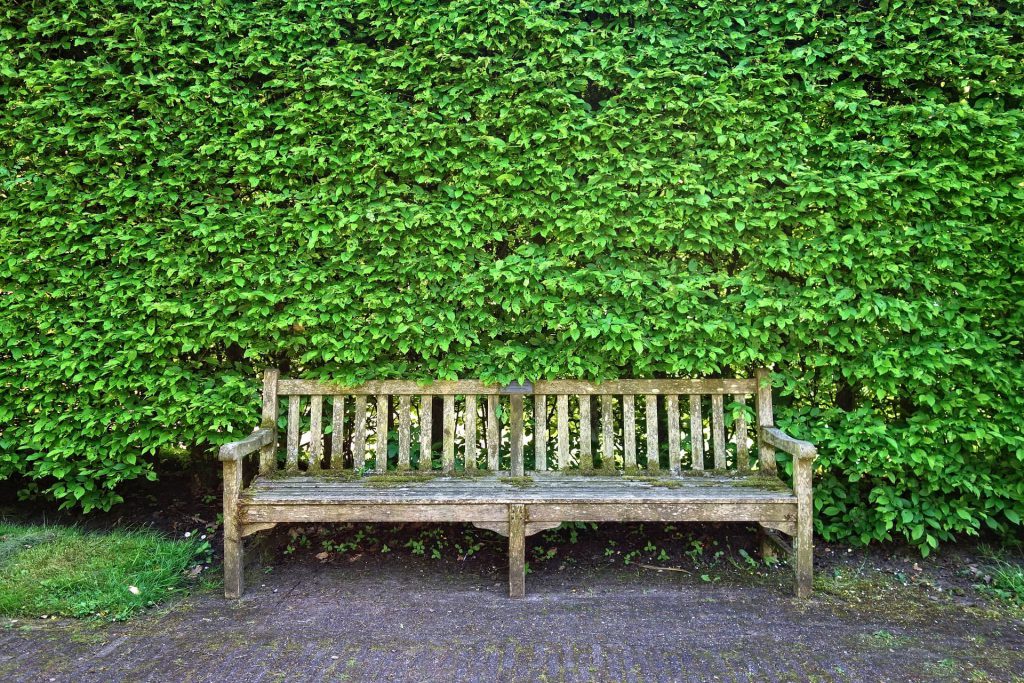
392,618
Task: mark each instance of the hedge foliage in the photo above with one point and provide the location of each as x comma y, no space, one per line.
190,190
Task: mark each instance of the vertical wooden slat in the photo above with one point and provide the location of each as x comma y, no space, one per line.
672,410
448,433
359,435
586,455
540,432
563,432
742,449
628,432
316,433
404,431
338,433
268,454
696,434
493,433
381,457
426,427
765,418
292,463
651,407
718,430
607,435
515,406
469,459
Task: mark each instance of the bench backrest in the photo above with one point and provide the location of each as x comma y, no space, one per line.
563,425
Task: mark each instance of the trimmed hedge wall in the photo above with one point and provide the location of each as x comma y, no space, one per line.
190,190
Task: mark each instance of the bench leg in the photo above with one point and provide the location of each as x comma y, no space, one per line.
804,541
234,584
516,551
233,559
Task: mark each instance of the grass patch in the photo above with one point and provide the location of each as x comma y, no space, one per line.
1005,580
65,571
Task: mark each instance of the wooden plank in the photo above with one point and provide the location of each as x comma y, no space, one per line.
307,387
469,458
493,434
801,450
404,431
426,427
380,460
662,512
586,455
268,454
563,432
292,461
540,432
236,450
338,433
607,434
517,550
628,433
316,433
696,434
646,386
448,435
359,435
718,430
290,387
515,403
374,512
765,418
651,408
742,448
672,410
546,486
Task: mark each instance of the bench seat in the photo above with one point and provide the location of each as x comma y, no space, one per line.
489,489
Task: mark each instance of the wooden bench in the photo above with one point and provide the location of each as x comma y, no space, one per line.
538,455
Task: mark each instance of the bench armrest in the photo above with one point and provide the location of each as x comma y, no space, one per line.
801,450
236,450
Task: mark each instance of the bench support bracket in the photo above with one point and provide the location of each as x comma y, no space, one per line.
253,527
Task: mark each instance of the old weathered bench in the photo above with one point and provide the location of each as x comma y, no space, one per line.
492,467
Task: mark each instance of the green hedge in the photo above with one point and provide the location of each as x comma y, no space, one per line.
193,189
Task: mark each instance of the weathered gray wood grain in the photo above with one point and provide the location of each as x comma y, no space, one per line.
516,434
696,434
359,435
718,430
292,457
268,420
404,431
540,432
469,455
628,432
380,460
338,433
651,408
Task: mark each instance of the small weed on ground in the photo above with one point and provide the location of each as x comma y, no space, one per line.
65,571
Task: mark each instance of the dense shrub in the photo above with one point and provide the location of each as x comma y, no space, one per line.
191,190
